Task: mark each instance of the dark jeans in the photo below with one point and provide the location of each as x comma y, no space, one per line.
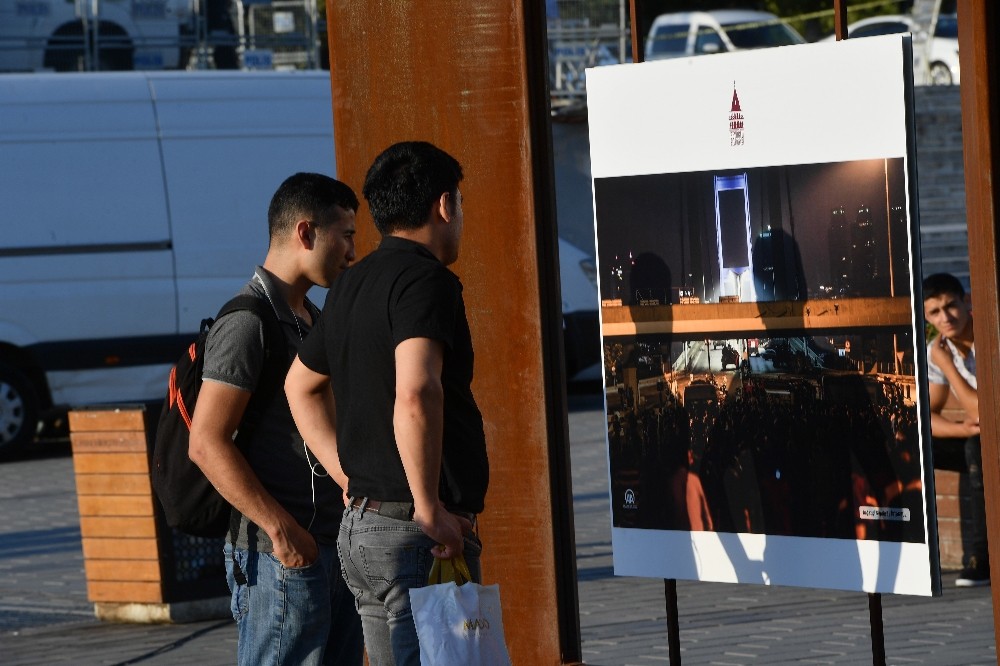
966,457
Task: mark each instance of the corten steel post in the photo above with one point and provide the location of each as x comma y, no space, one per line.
471,77
979,49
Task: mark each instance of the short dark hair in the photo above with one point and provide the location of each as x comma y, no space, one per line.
309,195
940,284
405,180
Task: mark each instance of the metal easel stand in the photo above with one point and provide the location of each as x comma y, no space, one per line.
878,635
673,624
674,632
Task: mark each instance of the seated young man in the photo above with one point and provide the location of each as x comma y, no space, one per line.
951,370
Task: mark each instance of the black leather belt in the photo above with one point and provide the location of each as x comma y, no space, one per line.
399,510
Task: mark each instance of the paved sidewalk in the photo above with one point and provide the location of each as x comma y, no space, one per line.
45,617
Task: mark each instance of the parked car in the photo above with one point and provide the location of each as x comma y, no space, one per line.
943,57
698,33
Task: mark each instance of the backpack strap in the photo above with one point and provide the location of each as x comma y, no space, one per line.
276,359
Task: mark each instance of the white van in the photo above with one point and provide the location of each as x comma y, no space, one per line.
700,33
134,205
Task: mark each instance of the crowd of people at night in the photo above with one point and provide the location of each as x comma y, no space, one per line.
801,458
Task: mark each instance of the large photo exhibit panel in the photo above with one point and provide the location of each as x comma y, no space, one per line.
760,339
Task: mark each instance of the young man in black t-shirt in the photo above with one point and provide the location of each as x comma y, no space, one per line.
381,391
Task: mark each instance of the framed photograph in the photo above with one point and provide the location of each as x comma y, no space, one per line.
764,362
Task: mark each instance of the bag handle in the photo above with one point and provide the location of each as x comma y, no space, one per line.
450,570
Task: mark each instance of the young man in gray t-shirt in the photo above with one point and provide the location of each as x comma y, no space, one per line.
289,599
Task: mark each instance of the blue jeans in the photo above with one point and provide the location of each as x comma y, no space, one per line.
295,616
382,559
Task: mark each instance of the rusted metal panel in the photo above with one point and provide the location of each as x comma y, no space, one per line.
979,49
468,77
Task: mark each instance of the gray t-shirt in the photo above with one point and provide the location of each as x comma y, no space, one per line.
234,355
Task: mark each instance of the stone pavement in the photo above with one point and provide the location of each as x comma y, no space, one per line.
45,617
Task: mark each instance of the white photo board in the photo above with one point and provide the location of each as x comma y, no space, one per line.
756,237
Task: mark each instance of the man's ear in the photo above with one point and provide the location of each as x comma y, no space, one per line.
444,206
305,234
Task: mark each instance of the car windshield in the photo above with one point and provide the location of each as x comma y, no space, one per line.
947,26
760,35
670,39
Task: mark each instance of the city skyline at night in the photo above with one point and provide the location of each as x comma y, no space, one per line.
670,221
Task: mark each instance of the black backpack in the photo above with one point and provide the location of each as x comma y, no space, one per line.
190,502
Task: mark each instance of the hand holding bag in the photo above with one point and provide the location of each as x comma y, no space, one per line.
458,622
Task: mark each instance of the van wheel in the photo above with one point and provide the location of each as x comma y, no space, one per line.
18,410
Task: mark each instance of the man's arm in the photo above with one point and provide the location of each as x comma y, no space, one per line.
967,396
310,398
216,417
418,422
940,426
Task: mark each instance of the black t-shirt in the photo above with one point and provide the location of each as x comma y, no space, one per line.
400,291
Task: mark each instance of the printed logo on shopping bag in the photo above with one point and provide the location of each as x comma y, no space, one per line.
475,624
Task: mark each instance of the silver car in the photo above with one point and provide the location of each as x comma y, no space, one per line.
700,33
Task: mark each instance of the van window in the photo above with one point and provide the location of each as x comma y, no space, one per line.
670,40
760,35
708,41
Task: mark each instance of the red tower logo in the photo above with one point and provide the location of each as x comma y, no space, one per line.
735,121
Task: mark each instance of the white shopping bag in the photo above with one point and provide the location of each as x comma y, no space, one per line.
459,625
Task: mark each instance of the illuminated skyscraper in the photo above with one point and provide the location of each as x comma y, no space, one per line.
900,256
839,247
864,272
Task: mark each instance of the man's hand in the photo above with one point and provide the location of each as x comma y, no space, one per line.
294,546
941,354
971,426
446,529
